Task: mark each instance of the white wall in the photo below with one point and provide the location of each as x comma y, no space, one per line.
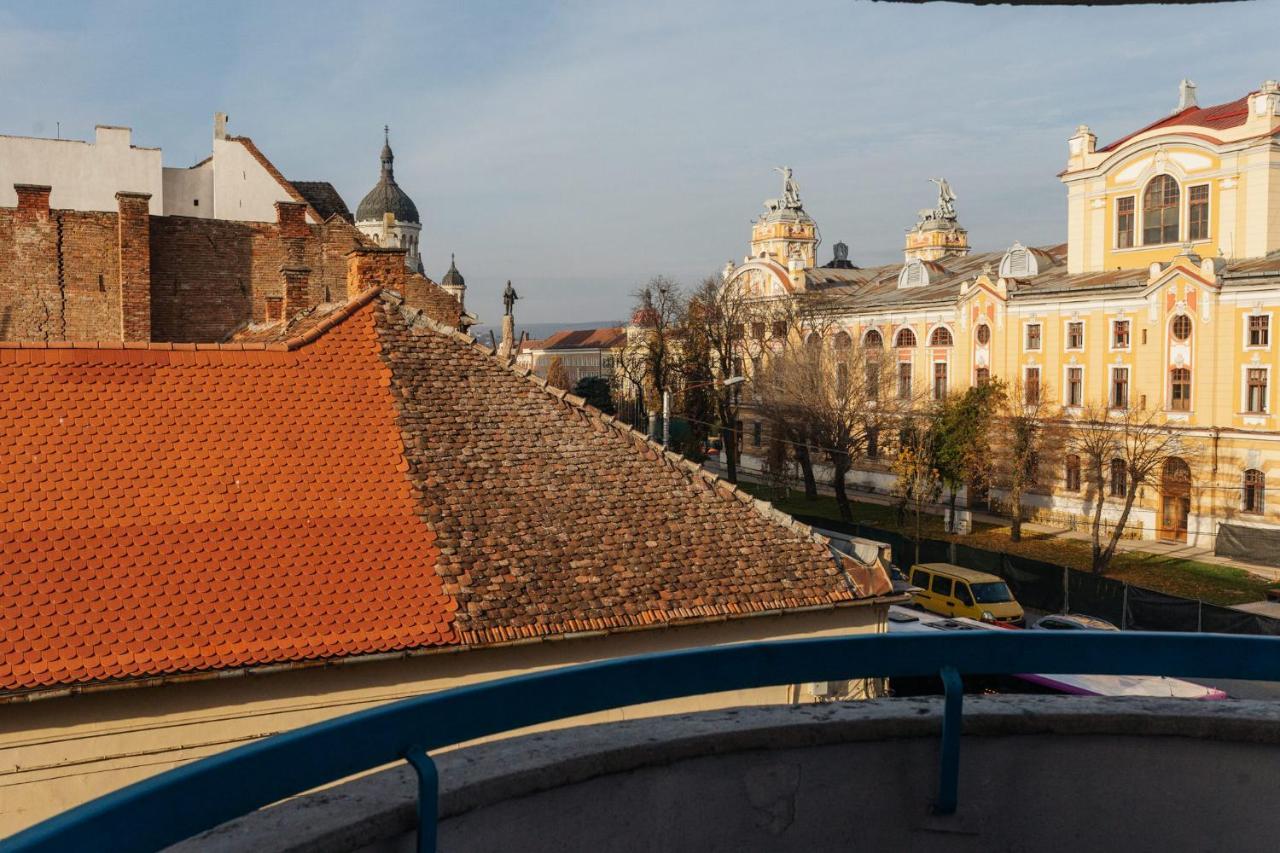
183,187
84,175
242,188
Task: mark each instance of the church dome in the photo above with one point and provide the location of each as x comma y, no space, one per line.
386,196
453,278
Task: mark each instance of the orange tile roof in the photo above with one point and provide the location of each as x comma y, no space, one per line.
374,484
171,509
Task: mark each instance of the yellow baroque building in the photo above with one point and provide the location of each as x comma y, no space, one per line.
1165,295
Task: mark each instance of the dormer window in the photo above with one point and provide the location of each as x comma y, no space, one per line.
914,274
1019,262
1160,211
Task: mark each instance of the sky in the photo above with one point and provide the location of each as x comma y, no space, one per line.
580,149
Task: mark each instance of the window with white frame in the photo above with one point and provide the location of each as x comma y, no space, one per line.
1031,385
1119,334
1075,335
1255,397
1119,387
1075,386
1259,330
1124,222
1033,336
1198,212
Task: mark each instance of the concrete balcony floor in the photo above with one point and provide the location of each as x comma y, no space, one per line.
1038,773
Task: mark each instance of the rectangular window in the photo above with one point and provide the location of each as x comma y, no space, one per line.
873,442
873,379
1120,387
756,430
1075,386
1256,397
941,586
904,380
1254,491
1180,389
1259,330
1120,334
1198,212
1075,335
982,376
940,380
1073,473
1032,386
779,329
1033,336
757,330
1118,480
1124,222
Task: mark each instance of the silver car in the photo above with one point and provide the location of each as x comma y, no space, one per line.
1072,622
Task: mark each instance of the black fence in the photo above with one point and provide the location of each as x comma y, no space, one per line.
1055,589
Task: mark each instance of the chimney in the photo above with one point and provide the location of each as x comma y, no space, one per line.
370,266
133,224
297,290
33,199
219,125
1186,96
291,217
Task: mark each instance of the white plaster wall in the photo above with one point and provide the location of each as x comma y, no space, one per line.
182,187
242,189
84,175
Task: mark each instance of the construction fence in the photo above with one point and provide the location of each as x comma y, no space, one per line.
1055,589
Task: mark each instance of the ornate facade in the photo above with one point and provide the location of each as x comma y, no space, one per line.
388,216
1164,296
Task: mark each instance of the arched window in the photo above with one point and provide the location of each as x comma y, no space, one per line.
1073,473
873,340
1255,487
906,338
841,341
941,337
1160,211
1181,327
984,334
842,380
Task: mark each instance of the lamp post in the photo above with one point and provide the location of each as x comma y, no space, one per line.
666,403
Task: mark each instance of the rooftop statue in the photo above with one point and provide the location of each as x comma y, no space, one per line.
509,298
790,192
946,199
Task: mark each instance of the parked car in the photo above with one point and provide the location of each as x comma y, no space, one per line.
956,591
1072,622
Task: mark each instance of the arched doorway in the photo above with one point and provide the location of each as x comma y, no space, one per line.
1175,499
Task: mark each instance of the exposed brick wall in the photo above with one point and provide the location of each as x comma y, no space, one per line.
375,267
210,277
431,298
134,232
59,272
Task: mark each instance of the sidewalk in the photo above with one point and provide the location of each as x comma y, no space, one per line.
1175,550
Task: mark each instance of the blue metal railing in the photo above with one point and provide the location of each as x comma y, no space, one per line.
183,802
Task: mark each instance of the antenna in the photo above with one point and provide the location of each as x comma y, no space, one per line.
493,342
59,131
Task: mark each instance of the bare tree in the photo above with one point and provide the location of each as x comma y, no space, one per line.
1021,445
715,322
916,464
1133,446
840,390
651,356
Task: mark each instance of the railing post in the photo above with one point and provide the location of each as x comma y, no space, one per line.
428,798
949,763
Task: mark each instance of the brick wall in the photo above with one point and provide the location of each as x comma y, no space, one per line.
59,272
181,279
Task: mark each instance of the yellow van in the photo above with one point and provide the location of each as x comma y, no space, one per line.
955,591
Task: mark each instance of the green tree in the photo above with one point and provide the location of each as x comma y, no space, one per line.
596,391
963,439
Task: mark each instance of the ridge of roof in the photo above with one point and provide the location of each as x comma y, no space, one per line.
693,473
1216,117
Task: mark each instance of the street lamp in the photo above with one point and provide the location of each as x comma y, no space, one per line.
666,402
